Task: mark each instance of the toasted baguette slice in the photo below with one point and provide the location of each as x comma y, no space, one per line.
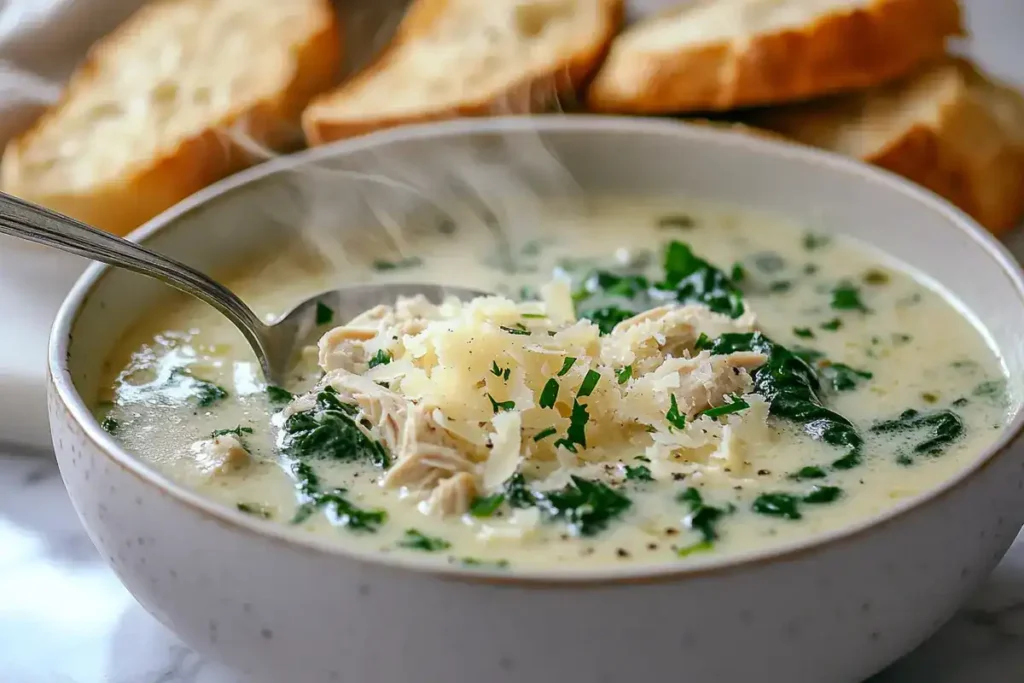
142,122
454,58
948,127
715,55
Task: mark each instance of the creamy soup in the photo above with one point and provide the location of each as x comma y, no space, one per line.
788,384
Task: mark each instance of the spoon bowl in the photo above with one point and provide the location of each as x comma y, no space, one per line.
275,343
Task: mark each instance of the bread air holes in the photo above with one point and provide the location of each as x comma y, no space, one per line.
532,17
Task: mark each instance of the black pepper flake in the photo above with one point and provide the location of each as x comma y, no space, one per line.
764,473
671,531
652,546
622,552
678,476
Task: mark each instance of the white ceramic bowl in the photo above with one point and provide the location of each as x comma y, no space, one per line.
298,609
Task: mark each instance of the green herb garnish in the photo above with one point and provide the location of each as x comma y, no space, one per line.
340,510
805,332
589,382
812,241
110,425
702,343
777,505
237,431
518,329
415,540
624,374
832,325
498,406
809,472
843,377
945,425
382,357
695,280
485,506
823,494
549,394
846,297
702,518
638,473
585,506
400,264
736,405
566,365
278,395
482,564
674,417
254,509
737,274
545,433
576,435
676,222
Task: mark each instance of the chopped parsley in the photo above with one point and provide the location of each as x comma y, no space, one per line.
703,342
780,286
549,394
823,494
734,406
778,505
737,274
498,406
566,365
278,395
809,472
589,382
237,431
586,506
382,357
517,493
518,329
832,325
400,264
674,417
769,262
415,540
483,564
576,434
545,433
110,425
804,332
534,316
638,473
846,297
324,314
624,374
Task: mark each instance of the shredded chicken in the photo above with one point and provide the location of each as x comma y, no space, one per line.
220,455
453,495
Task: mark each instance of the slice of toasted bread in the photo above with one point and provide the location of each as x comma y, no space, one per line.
947,127
715,55
144,122
454,58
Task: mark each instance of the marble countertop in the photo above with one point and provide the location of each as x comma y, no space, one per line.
65,618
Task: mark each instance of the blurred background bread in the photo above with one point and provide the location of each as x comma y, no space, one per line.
948,127
470,57
715,55
159,107
153,113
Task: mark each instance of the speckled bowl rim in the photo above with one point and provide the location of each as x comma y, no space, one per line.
60,338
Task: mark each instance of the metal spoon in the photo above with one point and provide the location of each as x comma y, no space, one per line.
275,343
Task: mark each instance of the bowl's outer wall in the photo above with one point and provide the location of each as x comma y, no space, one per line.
833,612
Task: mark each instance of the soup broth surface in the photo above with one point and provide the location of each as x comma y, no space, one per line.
881,342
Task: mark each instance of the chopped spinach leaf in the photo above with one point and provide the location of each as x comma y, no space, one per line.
586,506
330,430
278,395
805,332
237,431
734,406
517,493
812,241
624,374
832,325
110,425
324,314
777,505
254,509
960,402
545,433
823,494
703,519
549,394
676,221
695,280
809,472
206,393
607,317
945,425
638,473
382,357
846,297
791,386
589,382
400,264
673,416
566,365
990,388
416,540
843,377
499,406
341,511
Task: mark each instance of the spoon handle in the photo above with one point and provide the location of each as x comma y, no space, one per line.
34,223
